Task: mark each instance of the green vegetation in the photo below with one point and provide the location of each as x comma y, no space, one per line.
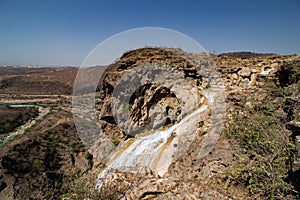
11,118
77,147
266,152
115,140
127,107
84,188
38,165
200,124
89,157
11,138
199,82
36,161
65,125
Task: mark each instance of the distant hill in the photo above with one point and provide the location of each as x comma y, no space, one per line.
37,81
246,54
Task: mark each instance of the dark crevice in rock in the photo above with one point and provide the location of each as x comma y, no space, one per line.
289,73
168,121
3,185
294,179
191,73
154,193
158,95
128,64
288,108
106,89
138,101
109,119
140,92
294,127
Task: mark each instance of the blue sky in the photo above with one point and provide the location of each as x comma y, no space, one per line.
63,32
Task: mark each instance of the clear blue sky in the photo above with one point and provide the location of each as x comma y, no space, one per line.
63,32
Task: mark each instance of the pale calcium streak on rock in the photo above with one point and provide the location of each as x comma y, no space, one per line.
265,72
262,71
147,150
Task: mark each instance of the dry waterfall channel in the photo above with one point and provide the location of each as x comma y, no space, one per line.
156,150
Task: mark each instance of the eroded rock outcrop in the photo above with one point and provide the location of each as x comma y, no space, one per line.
188,176
153,93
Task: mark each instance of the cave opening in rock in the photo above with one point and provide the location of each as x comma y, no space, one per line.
143,101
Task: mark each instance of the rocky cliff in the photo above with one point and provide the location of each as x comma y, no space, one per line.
263,85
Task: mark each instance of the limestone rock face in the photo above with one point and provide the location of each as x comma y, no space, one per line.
148,99
245,72
188,177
